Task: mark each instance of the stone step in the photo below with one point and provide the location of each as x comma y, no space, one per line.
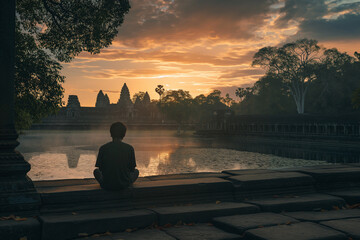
351,227
201,212
330,178
181,191
324,215
148,234
29,228
68,226
351,196
142,194
200,231
251,185
298,231
188,176
240,223
291,203
248,171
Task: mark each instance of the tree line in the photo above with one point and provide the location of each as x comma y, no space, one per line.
302,77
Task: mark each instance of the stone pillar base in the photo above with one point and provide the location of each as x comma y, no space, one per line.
17,192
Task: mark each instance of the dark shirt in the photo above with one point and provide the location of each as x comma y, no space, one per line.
116,160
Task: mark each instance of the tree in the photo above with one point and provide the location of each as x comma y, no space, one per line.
177,106
337,75
228,101
356,99
294,64
160,90
49,32
243,92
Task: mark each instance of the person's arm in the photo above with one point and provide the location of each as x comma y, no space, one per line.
132,160
99,159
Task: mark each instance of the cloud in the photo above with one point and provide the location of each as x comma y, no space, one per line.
321,19
152,22
242,73
175,56
343,27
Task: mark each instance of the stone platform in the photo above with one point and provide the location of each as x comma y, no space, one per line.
320,202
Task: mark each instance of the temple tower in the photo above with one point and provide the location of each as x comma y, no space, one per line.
102,100
146,100
73,107
124,100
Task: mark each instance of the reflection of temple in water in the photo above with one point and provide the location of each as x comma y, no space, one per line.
73,158
104,112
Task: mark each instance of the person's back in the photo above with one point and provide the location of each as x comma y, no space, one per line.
116,161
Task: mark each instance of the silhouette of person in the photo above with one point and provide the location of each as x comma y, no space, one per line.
116,161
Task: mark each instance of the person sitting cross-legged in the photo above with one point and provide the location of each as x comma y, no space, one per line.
116,161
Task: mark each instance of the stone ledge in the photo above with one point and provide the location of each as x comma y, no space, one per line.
15,230
351,227
306,202
201,212
295,231
67,226
240,223
324,216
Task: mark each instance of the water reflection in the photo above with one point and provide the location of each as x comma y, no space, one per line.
73,158
64,155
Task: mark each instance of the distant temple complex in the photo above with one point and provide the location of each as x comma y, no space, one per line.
142,110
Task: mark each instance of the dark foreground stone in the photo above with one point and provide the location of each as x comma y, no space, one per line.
252,185
188,176
181,191
323,216
248,171
240,223
148,234
294,203
29,229
331,178
201,212
351,196
70,226
350,227
297,231
200,231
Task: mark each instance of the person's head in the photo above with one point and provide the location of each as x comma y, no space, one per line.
118,130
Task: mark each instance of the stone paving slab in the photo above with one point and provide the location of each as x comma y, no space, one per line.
182,191
15,230
323,166
350,227
334,175
324,215
351,196
271,180
294,203
66,226
248,171
71,182
188,176
297,231
200,231
240,223
201,212
148,234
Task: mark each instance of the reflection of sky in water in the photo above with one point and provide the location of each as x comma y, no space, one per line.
72,154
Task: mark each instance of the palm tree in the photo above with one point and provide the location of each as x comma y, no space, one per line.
160,90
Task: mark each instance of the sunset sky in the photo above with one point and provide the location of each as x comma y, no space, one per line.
201,45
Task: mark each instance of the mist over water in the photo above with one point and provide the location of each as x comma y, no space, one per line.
72,154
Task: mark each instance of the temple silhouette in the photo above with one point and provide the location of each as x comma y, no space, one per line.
142,110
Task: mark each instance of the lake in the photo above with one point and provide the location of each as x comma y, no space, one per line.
72,154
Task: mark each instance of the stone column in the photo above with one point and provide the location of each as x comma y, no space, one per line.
17,193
